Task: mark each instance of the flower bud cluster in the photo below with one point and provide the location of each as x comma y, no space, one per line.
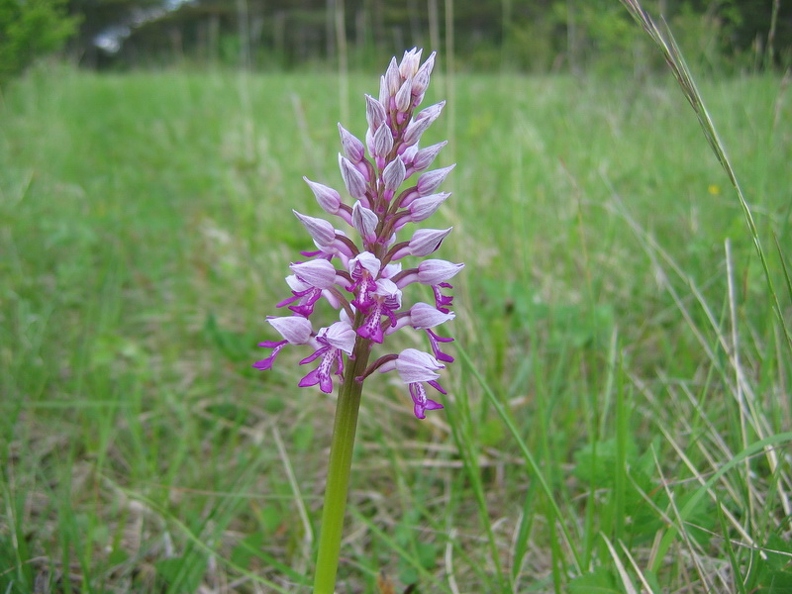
364,280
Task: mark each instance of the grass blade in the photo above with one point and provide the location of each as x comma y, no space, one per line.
673,57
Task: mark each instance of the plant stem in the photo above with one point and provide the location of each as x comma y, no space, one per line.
339,469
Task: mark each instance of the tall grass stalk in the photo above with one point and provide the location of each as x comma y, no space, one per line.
530,461
676,62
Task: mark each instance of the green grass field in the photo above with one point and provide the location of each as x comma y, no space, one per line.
619,414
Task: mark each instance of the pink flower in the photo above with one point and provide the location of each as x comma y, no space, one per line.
364,279
416,368
294,330
333,341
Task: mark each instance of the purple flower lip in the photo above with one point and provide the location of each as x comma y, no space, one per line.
416,368
421,403
332,341
386,187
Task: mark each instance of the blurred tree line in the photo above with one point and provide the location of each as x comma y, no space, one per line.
29,28
525,35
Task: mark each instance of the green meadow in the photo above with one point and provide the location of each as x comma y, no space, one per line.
619,411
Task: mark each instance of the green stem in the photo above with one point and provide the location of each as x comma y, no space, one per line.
339,469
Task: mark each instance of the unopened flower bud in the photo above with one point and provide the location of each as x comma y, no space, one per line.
425,206
392,78
364,221
410,62
421,122
430,180
425,156
328,198
393,174
423,316
421,78
375,113
322,232
404,96
353,180
353,147
427,241
382,144
433,272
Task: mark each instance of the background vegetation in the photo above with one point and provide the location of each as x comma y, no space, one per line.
529,35
619,418
526,35
29,30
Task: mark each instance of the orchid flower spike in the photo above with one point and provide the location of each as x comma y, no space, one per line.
364,269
